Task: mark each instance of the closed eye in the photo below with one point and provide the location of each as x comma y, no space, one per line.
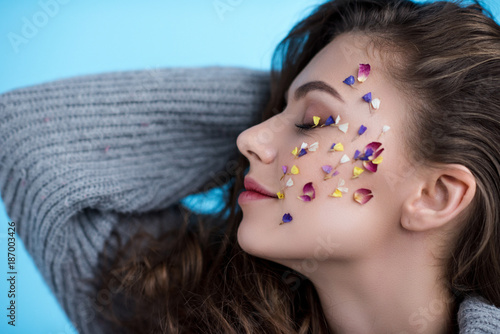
304,127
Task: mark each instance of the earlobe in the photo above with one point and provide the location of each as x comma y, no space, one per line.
441,196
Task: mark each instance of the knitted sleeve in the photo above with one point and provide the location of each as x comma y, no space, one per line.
477,316
75,153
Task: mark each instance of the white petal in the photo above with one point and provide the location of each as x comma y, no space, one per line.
376,104
313,146
385,128
344,127
343,189
289,183
304,145
341,182
337,120
344,159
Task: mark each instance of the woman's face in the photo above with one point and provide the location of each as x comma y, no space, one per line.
327,228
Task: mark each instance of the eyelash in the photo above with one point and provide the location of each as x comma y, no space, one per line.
304,127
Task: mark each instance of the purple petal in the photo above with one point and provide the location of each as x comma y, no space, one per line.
305,198
377,154
302,152
284,169
363,195
363,72
309,190
286,218
362,129
329,121
367,154
335,173
327,169
374,145
370,166
350,80
356,154
333,145
368,97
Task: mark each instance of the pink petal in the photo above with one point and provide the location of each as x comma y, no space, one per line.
363,72
305,198
374,145
370,166
309,190
376,154
363,195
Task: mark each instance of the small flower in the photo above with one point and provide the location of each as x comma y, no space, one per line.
344,159
350,80
294,170
289,183
313,147
301,152
344,127
309,193
327,169
361,130
295,151
385,128
370,157
340,189
280,194
303,146
284,169
375,104
363,72
329,121
336,147
316,120
363,195
368,97
286,218
356,172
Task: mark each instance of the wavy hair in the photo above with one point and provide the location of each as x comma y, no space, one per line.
446,58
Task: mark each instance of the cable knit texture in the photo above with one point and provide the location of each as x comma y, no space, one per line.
77,154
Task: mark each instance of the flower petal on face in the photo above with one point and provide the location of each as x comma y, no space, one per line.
337,194
337,120
370,166
327,169
280,195
304,145
356,172
309,190
385,128
287,218
294,170
362,129
343,189
329,121
375,104
344,159
338,147
341,183
344,127
295,151
367,97
284,169
376,154
374,145
305,198
302,152
377,160
336,173
356,154
363,72
289,183
316,120
313,147
350,80
363,195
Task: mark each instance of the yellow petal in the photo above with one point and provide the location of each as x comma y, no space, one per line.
337,193
316,120
377,160
295,151
280,195
294,170
357,171
338,147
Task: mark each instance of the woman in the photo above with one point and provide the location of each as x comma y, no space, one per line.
382,220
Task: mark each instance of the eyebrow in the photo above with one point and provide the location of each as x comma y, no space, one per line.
319,86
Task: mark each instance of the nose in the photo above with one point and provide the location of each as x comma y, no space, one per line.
258,143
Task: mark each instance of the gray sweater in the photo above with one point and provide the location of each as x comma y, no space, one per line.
79,156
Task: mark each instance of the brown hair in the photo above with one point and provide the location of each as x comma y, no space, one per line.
198,280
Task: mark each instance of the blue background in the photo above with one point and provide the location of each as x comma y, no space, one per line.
76,37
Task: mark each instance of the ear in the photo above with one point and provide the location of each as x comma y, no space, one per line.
439,196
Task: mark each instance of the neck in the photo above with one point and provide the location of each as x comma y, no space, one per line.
389,292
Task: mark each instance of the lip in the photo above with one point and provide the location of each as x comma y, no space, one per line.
254,191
